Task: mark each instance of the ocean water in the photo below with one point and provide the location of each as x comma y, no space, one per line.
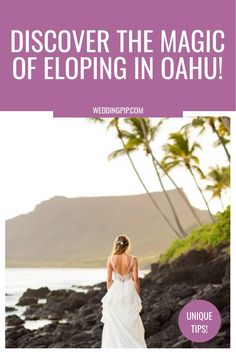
19,280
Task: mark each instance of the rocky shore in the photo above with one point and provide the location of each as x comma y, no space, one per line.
75,316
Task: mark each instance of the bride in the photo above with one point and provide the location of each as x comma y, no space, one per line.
121,305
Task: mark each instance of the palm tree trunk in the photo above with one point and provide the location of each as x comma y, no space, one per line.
221,203
143,184
224,145
221,140
149,149
180,191
155,161
194,178
168,199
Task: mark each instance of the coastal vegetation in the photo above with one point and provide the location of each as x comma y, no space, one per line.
208,237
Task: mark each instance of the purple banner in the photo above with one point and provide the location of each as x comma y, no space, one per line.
85,58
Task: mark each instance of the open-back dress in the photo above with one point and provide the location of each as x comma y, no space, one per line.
121,305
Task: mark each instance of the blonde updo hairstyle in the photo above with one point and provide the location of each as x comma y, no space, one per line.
121,244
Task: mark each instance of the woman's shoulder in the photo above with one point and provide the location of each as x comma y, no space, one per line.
133,257
122,255
115,256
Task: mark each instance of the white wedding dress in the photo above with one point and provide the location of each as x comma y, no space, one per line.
121,305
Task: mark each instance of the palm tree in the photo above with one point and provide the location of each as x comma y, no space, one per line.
180,152
114,122
159,164
141,135
142,132
220,181
223,132
217,125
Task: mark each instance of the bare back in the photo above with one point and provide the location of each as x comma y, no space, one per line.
124,267
124,263
121,263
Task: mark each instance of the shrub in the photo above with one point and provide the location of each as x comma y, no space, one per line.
207,236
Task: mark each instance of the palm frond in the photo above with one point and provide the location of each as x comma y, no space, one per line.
112,123
169,165
117,153
199,171
96,120
134,143
195,159
219,143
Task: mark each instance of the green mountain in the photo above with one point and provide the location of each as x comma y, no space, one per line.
67,232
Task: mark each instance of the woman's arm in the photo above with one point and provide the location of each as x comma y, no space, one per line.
109,274
135,275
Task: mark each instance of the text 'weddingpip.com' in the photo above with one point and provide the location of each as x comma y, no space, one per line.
118,110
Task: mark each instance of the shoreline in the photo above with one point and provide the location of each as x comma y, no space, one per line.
75,316
12,295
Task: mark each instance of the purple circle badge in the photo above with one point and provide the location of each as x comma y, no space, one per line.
199,321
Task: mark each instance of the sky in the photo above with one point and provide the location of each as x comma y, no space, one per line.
47,157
